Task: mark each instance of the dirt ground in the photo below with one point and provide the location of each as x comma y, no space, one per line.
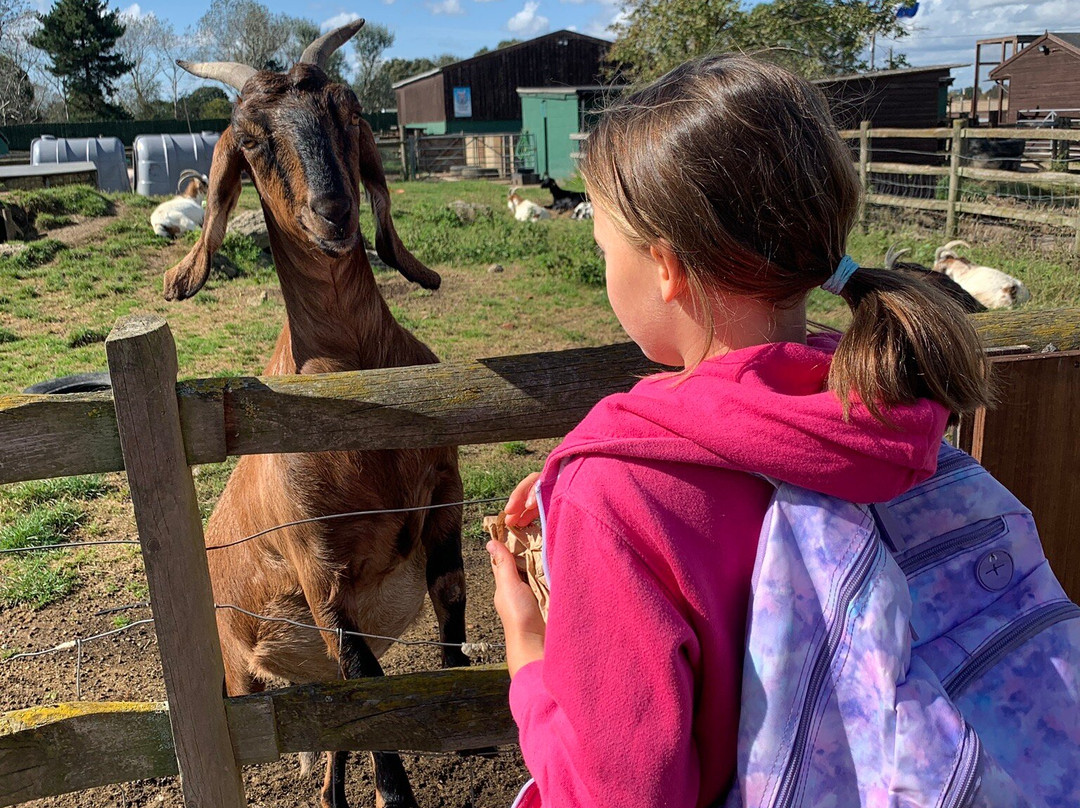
126,666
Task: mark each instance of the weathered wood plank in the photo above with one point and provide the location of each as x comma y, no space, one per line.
143,366
1030,177
907,168
482,401
46,751
490,400
1028,442
69,747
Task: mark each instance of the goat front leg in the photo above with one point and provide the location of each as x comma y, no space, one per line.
392,788
446,573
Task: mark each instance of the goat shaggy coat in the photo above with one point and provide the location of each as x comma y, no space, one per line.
651,516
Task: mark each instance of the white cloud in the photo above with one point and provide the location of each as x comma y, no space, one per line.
338,20
945,31
134,12
527,22
450,7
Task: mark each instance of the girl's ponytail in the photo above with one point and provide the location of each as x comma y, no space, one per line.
907,340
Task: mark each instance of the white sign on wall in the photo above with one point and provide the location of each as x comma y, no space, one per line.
462,102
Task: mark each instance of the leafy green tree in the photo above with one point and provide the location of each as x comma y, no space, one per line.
302,32
80,38
206,102
813,37
245,31
372,84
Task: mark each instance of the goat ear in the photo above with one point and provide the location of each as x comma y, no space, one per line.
188,277
387,243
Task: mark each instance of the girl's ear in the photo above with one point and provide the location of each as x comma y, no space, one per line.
670,269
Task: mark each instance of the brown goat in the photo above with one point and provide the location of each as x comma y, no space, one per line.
305,145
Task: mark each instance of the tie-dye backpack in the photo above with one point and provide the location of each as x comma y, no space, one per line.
918,653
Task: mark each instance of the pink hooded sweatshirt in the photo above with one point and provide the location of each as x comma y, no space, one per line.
651,525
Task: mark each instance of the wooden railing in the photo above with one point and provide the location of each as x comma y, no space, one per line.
155,428
953,205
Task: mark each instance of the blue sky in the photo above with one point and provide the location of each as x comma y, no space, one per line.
943,31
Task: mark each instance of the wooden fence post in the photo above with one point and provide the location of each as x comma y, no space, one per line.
404,150
143,367
954,177
864,170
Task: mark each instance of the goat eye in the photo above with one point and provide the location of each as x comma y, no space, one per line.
354,120
248,142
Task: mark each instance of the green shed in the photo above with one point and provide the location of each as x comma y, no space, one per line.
551,115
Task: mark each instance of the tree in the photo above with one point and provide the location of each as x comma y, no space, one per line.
206,102
80,38
16,89
372,84
245,31
506,43
302,32
144,43
812,37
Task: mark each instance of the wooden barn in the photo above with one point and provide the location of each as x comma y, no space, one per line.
909,98
1042,78
480,94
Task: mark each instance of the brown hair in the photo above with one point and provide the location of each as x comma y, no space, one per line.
736,165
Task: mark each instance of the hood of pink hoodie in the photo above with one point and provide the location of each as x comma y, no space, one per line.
766,410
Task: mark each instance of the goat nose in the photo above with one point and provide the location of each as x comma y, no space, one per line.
335,210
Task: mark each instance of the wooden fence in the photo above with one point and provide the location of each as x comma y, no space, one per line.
953,205
156,428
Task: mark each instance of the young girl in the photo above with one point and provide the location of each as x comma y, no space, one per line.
722,195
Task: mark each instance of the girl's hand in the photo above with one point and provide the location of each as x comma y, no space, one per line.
521,508
523,625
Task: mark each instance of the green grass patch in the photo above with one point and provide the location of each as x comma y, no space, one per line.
36,582
86,336
50,524
8,336
37,492
66,200
50,221
34,254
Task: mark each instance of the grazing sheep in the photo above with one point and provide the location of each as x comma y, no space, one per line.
938,279
184,211
562,199
582,211
991,287
525,210
311,155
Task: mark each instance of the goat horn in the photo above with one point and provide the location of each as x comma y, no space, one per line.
318,51
232,73
893,255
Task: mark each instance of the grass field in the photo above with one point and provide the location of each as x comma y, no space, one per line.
99,260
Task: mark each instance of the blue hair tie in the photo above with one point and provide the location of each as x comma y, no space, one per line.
844,270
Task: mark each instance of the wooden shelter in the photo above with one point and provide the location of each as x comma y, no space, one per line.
1042,79
480,94
909,98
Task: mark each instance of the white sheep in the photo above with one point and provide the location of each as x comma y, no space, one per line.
991,287
525,210
184,211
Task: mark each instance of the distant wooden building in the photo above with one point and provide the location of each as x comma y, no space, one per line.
910,98
480,94
1042,78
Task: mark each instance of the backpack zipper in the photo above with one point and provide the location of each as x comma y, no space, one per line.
954,461
950,544
967,770
1009,639
856,577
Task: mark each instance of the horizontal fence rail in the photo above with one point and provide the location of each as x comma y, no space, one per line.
523,397
935,180
45,751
